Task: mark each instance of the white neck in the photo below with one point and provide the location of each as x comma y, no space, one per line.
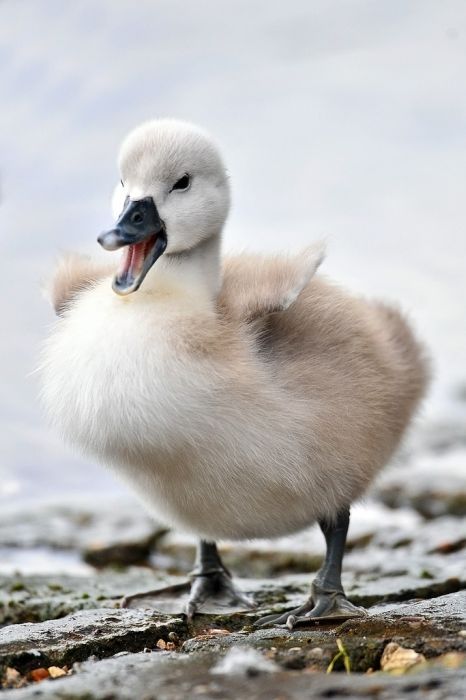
194,271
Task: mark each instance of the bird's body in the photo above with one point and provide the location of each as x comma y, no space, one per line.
242,400
227,426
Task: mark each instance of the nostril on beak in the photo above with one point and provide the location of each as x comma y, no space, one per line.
137,218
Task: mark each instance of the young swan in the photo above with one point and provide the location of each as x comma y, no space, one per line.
242,401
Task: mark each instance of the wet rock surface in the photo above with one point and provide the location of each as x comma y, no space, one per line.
48,597
65,567
102,533
169,676
101,632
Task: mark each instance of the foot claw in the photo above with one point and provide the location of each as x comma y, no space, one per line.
275,619
191,609
244,599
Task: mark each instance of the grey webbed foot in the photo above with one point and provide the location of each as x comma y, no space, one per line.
216,585
322,605
211,585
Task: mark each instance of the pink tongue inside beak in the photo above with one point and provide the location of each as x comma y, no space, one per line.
132,259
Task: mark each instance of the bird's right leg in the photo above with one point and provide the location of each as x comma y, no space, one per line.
210,580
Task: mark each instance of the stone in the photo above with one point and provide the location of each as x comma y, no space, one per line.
244,661
398,659
169,676
76,637
46,597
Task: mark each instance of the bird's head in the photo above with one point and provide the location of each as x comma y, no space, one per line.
173,195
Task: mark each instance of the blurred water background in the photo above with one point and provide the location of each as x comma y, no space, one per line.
343,120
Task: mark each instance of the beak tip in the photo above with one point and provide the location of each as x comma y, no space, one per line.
123,290
109,240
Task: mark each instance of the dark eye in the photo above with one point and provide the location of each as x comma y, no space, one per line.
122,183
182,183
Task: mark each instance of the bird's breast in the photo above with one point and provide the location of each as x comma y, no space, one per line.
113,382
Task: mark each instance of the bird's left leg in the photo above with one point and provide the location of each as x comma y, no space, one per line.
327,599
210,581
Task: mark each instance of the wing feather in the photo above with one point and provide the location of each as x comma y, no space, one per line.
255,285
72,274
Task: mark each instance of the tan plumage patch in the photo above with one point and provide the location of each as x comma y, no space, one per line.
73,273
256,285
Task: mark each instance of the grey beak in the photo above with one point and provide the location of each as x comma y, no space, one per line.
138,220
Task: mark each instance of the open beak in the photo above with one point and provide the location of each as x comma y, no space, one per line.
141,232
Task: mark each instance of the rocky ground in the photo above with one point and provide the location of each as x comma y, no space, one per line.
65,566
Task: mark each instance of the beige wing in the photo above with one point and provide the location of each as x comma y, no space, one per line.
72,274
254,285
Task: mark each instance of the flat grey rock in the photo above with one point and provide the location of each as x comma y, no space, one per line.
162,676
86,633
48,597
